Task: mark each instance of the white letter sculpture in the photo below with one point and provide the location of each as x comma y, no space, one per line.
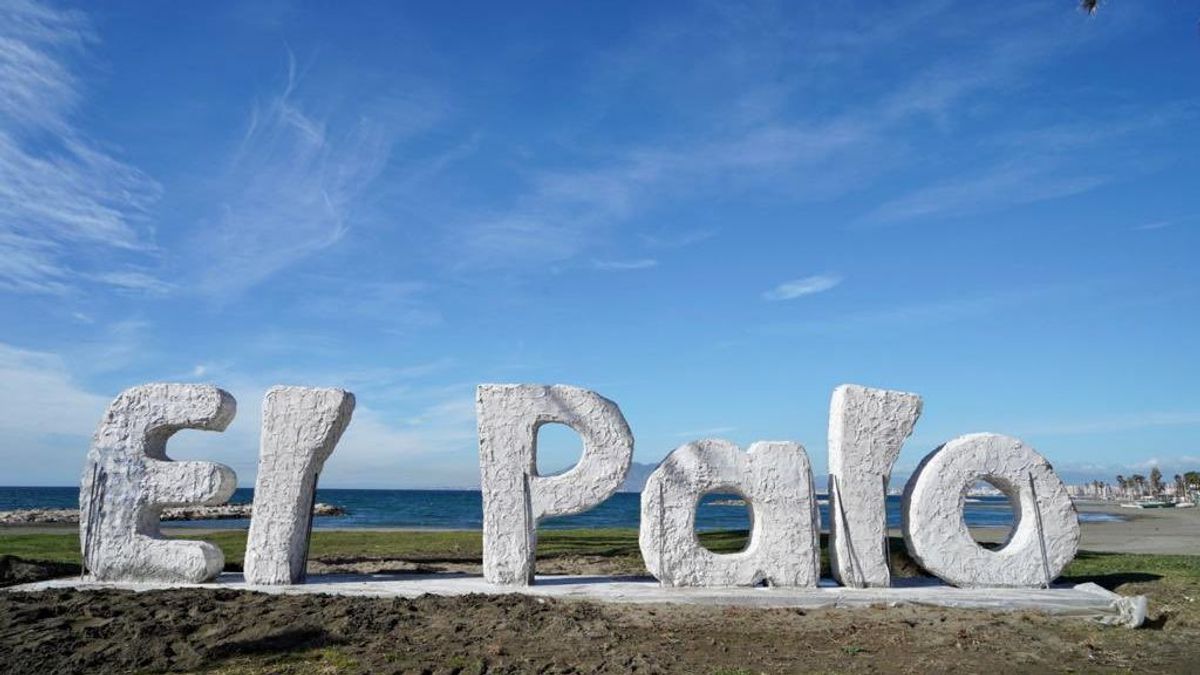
867,427
776,481
1044,537
515,498
300,428
128,480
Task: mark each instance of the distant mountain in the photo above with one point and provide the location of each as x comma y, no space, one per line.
634,482
638,473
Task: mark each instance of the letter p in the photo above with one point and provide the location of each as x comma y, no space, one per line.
515,497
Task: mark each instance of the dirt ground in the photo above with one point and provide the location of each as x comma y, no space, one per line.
238,631
14,570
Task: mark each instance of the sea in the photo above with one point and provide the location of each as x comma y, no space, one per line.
463,510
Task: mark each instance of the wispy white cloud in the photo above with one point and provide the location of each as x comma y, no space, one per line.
376,452
705,433
45,413
61,197
396,305
37,87
797,288
568,211
678,239
40,396
744,130
1152,463
1166,222
518,240
869,32
935,90
1115,423
1079,472
1035,163
112,347
1003,185
134,280
295,181
624,265
1087,128
926,313
395,428
1154,225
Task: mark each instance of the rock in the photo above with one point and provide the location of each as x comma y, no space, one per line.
218,512
39,516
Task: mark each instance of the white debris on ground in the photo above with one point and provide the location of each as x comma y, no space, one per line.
1083,601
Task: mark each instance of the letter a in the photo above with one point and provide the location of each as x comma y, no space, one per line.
774,478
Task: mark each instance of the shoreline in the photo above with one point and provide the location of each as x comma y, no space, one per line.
227,511
1151,531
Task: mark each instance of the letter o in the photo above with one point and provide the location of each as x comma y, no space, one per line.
936,533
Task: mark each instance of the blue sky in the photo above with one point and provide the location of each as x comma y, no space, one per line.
711,213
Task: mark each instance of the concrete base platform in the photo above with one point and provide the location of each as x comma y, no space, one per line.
1085,600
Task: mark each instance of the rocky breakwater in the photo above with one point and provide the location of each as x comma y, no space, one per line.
219,512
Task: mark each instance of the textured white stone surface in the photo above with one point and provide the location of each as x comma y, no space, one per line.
128,479
774,478
300,428
867,428
1083,601
938,539
515,498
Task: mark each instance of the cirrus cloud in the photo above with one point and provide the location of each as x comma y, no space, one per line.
797,288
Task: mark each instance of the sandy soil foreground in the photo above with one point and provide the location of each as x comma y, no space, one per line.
226,631
237,631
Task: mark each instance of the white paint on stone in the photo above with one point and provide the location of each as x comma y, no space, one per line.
515,497
867,428
300,428
1043,541
774,478
128,479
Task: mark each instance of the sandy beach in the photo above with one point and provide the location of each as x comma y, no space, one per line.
1162,531
1167,531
